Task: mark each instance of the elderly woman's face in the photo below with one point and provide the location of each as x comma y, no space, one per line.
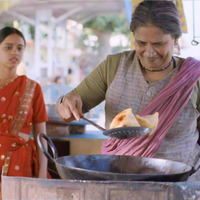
153,47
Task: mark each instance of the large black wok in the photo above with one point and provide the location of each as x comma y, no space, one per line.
118,168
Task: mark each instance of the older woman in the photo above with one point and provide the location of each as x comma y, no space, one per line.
149,79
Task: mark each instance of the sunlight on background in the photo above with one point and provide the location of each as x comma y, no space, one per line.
193,24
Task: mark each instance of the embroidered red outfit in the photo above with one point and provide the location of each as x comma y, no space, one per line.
21,105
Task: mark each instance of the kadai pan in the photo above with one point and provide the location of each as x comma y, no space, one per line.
116,168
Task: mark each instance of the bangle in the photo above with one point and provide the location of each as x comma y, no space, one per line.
62,98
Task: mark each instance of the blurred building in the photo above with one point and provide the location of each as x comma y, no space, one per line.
56,23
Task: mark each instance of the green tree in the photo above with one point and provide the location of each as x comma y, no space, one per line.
104,27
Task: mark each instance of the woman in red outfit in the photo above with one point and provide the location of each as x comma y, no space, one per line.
22,109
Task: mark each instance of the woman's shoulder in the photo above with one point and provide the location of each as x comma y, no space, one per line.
129,54
188,59
24,77
112,61
193,63
181,60
111,64
32,83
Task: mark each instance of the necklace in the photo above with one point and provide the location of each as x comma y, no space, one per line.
156,70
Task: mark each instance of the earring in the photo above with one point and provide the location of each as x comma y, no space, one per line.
176,48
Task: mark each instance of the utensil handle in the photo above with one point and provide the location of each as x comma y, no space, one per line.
94,124
44,150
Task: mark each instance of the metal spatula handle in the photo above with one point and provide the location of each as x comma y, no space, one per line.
94,124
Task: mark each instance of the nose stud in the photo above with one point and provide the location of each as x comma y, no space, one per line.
153,54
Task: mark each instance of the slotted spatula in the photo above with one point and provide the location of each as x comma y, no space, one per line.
123,132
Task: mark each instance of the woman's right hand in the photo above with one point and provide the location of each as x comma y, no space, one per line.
69,107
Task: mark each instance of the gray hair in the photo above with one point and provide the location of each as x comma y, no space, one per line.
162,14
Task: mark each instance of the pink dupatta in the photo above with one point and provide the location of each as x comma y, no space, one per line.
169,103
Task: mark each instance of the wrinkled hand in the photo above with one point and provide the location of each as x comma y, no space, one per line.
69,107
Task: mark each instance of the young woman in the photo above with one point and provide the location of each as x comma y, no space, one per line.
22,109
